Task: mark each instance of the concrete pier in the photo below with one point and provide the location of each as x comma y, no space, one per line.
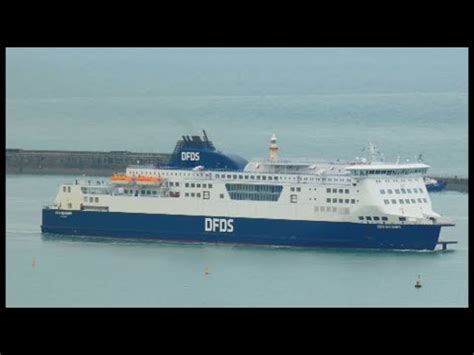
22,161
19,161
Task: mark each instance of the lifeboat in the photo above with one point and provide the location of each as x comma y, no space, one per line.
123,179
148,180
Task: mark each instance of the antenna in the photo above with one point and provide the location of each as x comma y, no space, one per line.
205,135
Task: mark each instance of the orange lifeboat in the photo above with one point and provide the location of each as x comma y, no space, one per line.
120,178
148,180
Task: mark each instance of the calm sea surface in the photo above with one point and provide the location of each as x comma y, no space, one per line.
87,272
321,126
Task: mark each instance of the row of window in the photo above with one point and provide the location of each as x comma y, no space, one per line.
91,199
66,188
192,184
252,196
343,210
405,201
236,176
341,200
375,218
254,188
389,172
403,191
383,218
334,191
205,195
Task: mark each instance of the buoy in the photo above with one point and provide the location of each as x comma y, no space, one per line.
33,263
206,271
418,282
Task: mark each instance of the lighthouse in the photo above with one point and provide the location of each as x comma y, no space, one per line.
273,149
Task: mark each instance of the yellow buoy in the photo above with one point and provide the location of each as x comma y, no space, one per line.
206,271
418,282
33,263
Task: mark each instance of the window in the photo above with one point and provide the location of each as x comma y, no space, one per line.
148,192
368,218
228,176
198,185
275,178
210,186
205,195
246,177
192,185
353,201
346,200
198,195
269,178
376,218
96,199
404,191
328,200
347,191
397,191
85,199
386,202
186,194
401,201
402,219
334,209
252,177
292,189
328,191
334,200
258,177
221,195
91,199
334,191
419,200
341,191
341,200
186,185
177,184
390,191
192,194
171,183
424,200
69,189
293,198
384,218
382,192
154,192
413,200
64,188
264,177
69,205
409,191
298,189
361,218
393,201
204,186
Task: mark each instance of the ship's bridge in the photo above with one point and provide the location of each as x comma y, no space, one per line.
387,169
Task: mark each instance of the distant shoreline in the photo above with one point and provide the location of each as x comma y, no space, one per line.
96,163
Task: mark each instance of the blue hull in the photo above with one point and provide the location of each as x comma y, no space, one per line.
440,185
243,230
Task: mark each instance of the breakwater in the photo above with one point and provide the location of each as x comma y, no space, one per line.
20,161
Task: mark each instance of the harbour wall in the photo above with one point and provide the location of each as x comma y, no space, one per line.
19,161
22,161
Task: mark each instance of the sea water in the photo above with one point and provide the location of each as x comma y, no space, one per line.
55,271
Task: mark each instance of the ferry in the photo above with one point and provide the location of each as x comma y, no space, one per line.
433,185
204,195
